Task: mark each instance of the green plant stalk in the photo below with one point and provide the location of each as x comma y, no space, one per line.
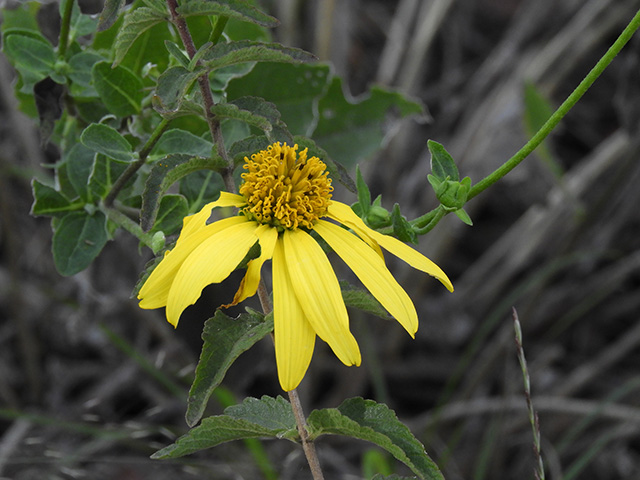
131,226
65,25
562,110
438,213
135,166
218,28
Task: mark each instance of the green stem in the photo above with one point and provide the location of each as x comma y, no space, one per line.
218,28
129,225
553,121
122,180
438,213
65,24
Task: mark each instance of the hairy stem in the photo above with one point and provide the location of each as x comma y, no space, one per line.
207,96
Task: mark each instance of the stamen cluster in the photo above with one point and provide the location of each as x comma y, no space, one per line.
284,188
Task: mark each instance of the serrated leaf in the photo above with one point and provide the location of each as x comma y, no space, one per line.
136,22
295,94
275,414
225,54
171,211
119,88
49,201
225,338
106,140
31,52
240,10
351,131
253,111
247,146
166,172
378,424
109,14
77,240
442,164
336,170
80,161
361,299
181,141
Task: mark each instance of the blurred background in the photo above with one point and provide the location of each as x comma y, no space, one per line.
91,385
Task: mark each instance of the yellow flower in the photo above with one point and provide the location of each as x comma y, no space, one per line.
284,196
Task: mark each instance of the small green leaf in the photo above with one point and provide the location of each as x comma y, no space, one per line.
119,88
80,161
442,164
105,172
106,140
225,54
30,52
165,173
225,338
275,414
109,14
77,240
177,53
49,201
136,22
361,299
173,85
240,10
464,216
351,131
364,195
80,67
171,211
376,423
253,111
401,227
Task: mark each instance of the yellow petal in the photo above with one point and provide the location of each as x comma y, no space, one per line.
210,262
372,272
155,291
267,236
343,213
293,335
318,291
197,221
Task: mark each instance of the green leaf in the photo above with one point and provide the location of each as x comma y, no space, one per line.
360,298
181,141
442,164
136,22
30,52
119,88
224,428
77,240
171,211
401,227
391,477
240,10
200,188
49,201
164,174
364,195
225,54
336,170
80,67
225,338
248,146
253,111
173,85
109,14
352,131
376,423
106,140
147,50
105,172
80,161
295,94
177,53
464,216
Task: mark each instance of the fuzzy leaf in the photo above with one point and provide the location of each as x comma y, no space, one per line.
272,413
80,161
173,85
106,140
30,52
77,240
442,164
171,211
164,174
225,54
247,146
119,88
136,22
49,201
376,423
361,299
109,14
182,141
253,111
240,10
225,338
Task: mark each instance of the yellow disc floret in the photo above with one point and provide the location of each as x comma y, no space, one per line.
284,188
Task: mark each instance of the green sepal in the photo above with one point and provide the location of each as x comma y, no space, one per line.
360,298
109,14
225,339
119,88
165,173
136,22
225,54
240,10
442,164
375,422
401,226
266,417
107,140
464,216
451,194
171,210
77,240
50,202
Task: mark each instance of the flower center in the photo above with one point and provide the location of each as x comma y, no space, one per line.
284,188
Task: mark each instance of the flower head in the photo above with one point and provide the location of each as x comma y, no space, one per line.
285,195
